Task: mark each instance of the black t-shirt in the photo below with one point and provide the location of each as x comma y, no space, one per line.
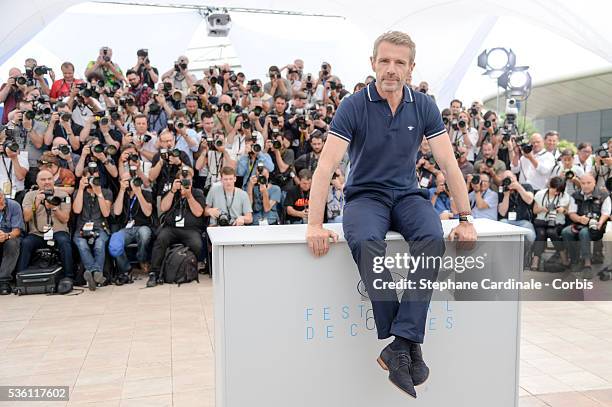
297,199
58,130
145,76
180,208
516,204
168,173
91,210
308,161
133,211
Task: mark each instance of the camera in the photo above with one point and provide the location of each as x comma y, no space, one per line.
154,108
569,174
137,181
490,162
445,121
511,110
167,87
165,154
474,111
262,180
551,216
224,219
178,66
106,149
226,107
256,148
185,183
487,124
200,90
66,117
254,86
185,171
42,70
462,124
21,80
476,179
90,236
274,119
133,157
506,184
455,124
526,148
602,152
105,54
92,167
29,114
276,145
218,143
10,145
94,181
64,149
51,199
133,170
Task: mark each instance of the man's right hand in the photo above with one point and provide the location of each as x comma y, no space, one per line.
318,239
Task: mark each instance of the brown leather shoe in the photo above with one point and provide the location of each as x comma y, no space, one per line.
145,267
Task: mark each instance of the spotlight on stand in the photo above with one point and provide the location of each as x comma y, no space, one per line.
516,82
496,61
218,22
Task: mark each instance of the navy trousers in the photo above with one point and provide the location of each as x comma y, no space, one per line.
368,215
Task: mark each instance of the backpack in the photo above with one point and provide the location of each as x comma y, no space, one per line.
180,265
42,276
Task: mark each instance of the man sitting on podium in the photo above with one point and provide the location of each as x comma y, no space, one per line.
382,126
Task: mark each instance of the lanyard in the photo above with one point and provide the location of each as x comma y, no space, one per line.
228,206
130,214
473,204
251,167
9,170
218,163
546,200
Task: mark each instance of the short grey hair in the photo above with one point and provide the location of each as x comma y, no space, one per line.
396,38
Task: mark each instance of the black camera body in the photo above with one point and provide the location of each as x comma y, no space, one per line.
224,219
476,179
490,162
569,174
10,144
185,183
94,181
90,236
506,184
64,149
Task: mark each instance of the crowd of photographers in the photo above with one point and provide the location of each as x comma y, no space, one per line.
557,194
142,159
146,160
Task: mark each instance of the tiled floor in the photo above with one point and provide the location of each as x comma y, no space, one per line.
130,346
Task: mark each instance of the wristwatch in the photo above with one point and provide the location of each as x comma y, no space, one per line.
466,217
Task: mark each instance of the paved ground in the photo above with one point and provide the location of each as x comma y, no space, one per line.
129,346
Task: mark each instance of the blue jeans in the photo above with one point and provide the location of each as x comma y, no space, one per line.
531,235
142,236
92,262
31,243
585,242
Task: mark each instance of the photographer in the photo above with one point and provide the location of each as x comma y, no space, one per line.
584,159
141,93
187,139
63,179
487,129
465,135
147,73
66,158
62,126
192,112
131,163
465,166
311,159
283,160
225,118
166,163
602,168
568,171
247,163
589,210
534,164
426,166
483,200
47,212
550,207
551,141
61,88
144,142
213,158
99,127
182,221
227,205
133,211
92,207
335,197
105,68
296,202
489,163
264,197
96,157
11,92
181,78
157,111
278,86
515,205
440,198
14,168
11,226
243,130
28,131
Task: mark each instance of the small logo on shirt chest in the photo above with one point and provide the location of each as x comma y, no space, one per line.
410,127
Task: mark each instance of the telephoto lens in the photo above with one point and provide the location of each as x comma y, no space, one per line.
476,179
137,181
64,149
110,150
133,157
185,183
487,124
256,148
276,144
175,153
490,162
98,148
262,180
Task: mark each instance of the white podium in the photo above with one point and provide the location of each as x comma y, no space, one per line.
293,330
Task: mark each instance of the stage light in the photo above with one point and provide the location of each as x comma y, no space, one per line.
516,82
496,61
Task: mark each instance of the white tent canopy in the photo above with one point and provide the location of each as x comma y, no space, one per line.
556,38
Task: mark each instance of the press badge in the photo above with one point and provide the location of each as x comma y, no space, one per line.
179,221
130,224
88,227
6,188
511,215
424,182
48,235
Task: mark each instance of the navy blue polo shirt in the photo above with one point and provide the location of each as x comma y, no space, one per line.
383,147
